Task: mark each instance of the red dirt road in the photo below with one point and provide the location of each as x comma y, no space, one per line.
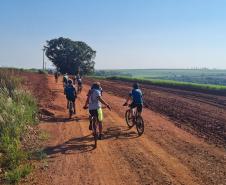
164,154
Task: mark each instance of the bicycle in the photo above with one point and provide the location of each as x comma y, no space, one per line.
70,109
94,124
134,118
79,88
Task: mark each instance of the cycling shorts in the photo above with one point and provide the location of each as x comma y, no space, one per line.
138,106
98,113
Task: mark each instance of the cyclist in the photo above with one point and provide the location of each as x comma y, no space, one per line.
56,75
70,93
65,81
79,81
93,102
136,96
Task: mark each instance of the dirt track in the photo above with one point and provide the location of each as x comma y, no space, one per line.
165,154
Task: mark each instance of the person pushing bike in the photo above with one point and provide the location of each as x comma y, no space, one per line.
93,102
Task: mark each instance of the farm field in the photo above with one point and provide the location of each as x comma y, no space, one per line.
171,151
200,76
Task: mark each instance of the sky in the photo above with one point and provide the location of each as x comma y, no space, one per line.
127,34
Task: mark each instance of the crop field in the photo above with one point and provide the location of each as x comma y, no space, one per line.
199,76
202,80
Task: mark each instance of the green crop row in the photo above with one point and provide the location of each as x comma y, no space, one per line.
208,88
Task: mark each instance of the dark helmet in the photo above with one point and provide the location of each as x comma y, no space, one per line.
96,85
136,86
70,81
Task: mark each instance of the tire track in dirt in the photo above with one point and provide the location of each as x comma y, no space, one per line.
122,157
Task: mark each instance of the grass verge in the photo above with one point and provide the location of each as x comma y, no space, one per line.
18,109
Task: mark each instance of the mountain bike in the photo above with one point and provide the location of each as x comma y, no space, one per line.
134,118
70,109
79,88
94,124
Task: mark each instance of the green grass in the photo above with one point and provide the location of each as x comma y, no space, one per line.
39,155
18,109
14,176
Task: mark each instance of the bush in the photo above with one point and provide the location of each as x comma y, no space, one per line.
16,174
18,109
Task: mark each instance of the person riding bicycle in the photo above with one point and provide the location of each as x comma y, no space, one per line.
56,75
137,98
70,93
79,82
93,102
65,79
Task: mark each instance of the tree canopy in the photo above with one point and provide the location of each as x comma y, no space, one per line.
70,56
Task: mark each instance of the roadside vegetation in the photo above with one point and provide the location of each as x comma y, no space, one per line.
18,111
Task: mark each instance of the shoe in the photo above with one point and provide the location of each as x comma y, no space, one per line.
100,136
90,126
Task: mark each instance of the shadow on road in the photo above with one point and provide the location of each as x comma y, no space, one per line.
75,145
54,119
119,132
86,143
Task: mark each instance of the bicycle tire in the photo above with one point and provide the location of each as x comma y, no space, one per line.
70,109
129,120
140,125
94,129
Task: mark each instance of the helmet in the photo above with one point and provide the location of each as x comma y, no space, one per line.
136,86
70,81
96,85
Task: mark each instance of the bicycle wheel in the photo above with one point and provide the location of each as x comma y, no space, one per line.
140,125
129,119
94,128
70,109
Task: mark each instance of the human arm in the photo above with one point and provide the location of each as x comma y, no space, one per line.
128,99
87,101
105,103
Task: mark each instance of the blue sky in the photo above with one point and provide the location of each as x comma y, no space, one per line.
125,33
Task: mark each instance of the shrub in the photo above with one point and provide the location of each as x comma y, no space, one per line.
18,109
16,174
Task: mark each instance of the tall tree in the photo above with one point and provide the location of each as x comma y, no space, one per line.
70,56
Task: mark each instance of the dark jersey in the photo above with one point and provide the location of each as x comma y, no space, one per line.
70,92
136,95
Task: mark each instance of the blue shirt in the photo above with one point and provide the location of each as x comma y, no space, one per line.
70,91
136,95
